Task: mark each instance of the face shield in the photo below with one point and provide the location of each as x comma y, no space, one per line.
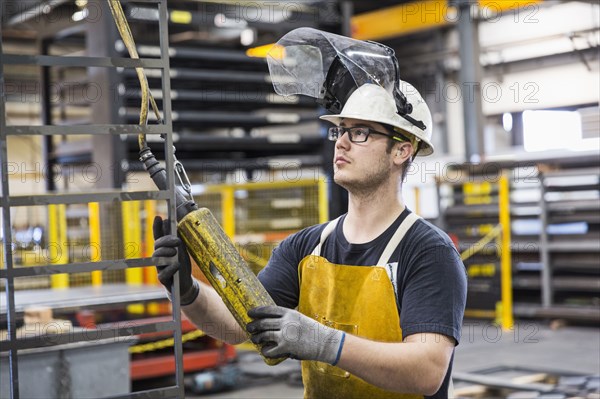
330,67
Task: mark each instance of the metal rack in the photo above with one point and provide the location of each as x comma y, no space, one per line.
475,212
570,239
10,271
554,230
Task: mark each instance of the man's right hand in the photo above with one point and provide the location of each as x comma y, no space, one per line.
170,256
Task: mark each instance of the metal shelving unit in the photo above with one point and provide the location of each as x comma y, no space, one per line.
475,212
10,271
555,235
570,238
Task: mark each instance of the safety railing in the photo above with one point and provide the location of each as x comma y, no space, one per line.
475,211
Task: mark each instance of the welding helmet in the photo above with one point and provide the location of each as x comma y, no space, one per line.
330,67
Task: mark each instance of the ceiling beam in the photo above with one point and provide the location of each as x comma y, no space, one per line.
408,18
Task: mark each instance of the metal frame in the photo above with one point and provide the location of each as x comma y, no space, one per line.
10,273
546,272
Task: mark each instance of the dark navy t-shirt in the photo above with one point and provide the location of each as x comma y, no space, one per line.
431,282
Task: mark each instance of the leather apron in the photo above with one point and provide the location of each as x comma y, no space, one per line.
356,299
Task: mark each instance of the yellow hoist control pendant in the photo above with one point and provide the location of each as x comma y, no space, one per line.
224,267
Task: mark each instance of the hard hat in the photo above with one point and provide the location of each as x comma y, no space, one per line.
373,103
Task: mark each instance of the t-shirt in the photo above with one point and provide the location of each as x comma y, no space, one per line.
431,282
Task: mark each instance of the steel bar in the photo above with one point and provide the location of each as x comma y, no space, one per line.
13,362
85,129
470,81
587,313
165,392
103,296
35,11
499,382
46,116
236,118
217,165
86,335
277,143
170,161
546,274
78,267
199,54
35,200
52,60
210,75
230,96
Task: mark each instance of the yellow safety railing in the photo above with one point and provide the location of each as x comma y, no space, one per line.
132,241
479,193
57,243
95,243
505,254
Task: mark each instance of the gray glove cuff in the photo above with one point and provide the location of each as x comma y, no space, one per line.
188,297
332,349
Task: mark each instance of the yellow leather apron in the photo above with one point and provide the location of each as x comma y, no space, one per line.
356,299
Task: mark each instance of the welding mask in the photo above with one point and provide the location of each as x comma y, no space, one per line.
329,67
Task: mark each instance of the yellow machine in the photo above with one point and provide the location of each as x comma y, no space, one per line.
206,241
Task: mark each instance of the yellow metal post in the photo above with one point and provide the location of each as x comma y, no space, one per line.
132,241
505,254
149,273
228,211
150,276
323,201
95,254
57,245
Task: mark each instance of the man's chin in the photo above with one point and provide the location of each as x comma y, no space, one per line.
340,180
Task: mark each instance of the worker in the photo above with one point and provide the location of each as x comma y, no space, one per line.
371,302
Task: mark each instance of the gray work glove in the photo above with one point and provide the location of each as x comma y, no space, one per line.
286,332
170,257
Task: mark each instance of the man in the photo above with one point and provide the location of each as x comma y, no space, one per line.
379,292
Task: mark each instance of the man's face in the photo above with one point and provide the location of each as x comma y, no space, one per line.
362,167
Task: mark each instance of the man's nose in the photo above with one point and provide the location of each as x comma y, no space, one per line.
343,140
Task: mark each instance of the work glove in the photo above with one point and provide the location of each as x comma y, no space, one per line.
286,332
170,256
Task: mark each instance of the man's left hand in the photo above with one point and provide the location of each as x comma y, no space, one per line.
286,332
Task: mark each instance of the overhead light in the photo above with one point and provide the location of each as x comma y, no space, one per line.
247,37
80,15
221,21
272,49
81,3
507,121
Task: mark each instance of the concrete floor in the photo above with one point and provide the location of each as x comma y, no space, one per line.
531,345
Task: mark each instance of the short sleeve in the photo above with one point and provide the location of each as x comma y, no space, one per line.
434,292
280,276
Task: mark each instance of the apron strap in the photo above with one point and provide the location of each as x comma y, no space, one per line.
392,268
406,224
324,234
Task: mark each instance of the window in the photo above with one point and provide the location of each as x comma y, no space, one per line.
554,130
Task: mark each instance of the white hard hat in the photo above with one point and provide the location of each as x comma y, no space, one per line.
371,102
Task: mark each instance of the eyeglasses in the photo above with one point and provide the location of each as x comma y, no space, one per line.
356,134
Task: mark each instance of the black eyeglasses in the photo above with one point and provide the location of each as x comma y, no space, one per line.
356,134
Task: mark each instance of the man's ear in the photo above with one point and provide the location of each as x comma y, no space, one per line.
403,151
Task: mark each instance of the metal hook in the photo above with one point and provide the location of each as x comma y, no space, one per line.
183,178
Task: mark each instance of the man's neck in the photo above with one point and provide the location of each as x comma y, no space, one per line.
370,214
